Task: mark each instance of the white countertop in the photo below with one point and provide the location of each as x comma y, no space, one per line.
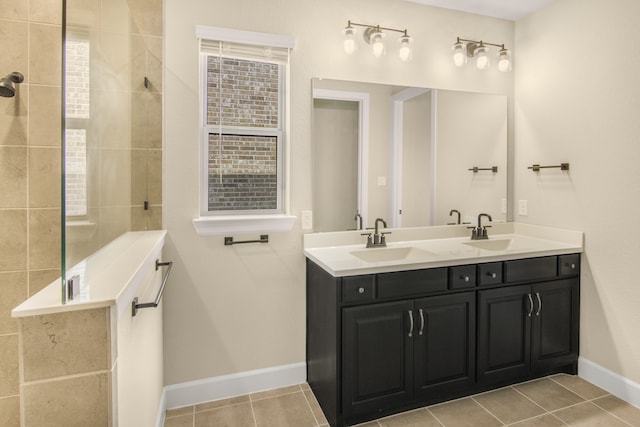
111,276
341,253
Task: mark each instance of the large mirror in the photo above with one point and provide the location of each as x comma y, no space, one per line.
405,154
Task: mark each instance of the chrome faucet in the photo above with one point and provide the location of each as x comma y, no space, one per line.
378,240
456,212
480,232
358,220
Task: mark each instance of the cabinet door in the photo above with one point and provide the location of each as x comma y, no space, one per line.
504,334
376,356
444,345
555,324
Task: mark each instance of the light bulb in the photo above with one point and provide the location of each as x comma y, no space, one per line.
504,60
349,42
459,56
377,45
405,48
482,60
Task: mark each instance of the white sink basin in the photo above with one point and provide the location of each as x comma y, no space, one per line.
491,245
389,254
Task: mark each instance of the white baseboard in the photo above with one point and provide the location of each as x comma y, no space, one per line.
226,386
608,380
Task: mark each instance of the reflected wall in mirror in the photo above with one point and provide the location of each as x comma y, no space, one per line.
112,124
406,154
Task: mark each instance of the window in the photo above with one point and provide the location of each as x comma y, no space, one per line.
244,78
77,114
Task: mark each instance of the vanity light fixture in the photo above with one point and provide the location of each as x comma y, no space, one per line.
478,52
374,35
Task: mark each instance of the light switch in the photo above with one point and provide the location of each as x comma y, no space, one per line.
306,220
523,209
382,181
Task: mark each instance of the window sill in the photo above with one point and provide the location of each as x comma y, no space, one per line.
219,225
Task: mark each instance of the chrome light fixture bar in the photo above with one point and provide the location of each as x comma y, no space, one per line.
374,35
477,50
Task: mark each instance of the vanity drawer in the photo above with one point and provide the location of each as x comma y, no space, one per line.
531,269
414,282
358,288
462,276
490,274
568,265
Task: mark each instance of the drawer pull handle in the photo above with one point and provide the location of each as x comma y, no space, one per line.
410,323
539,304
361,290
493,275
573,266
466,278
530,305
421,322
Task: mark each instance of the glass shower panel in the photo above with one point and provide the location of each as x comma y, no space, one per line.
112,140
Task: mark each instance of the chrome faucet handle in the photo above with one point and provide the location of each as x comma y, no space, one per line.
383,239
369,239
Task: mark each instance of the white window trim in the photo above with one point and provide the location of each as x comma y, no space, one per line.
208,224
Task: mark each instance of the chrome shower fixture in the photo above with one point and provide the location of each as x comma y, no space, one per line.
7,84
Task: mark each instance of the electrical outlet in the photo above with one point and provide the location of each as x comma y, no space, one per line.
306,220
523,209
503,206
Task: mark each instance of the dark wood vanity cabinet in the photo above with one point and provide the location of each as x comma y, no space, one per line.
393,353
384,343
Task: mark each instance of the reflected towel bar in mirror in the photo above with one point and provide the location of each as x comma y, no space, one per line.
561,166
476,169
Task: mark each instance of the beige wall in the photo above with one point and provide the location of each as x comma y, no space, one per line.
577,64
233,309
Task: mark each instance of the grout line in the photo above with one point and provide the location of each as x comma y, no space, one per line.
253,412
530,399
304,395
488,411
434,416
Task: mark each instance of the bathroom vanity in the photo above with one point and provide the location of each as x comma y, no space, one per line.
436,316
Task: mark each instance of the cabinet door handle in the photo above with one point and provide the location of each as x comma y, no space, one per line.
410,323
530,305
539,304
421,322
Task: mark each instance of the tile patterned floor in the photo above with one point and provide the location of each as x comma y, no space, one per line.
559,400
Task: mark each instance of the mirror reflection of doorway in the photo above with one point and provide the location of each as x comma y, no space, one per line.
335,154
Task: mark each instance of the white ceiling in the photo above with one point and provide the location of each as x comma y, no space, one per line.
505,9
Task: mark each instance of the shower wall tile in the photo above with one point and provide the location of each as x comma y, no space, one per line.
114,220
115,16
83,13
46,11
77,401
10,411
146,120
44,238
146,17
146,61
154,219
14,44
115,62
13,235
13,116
68,343
9,379
115,177
13,177
154,176
45,177
45,114
45,61
139,180
13,288
12,9
39,279
115,122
